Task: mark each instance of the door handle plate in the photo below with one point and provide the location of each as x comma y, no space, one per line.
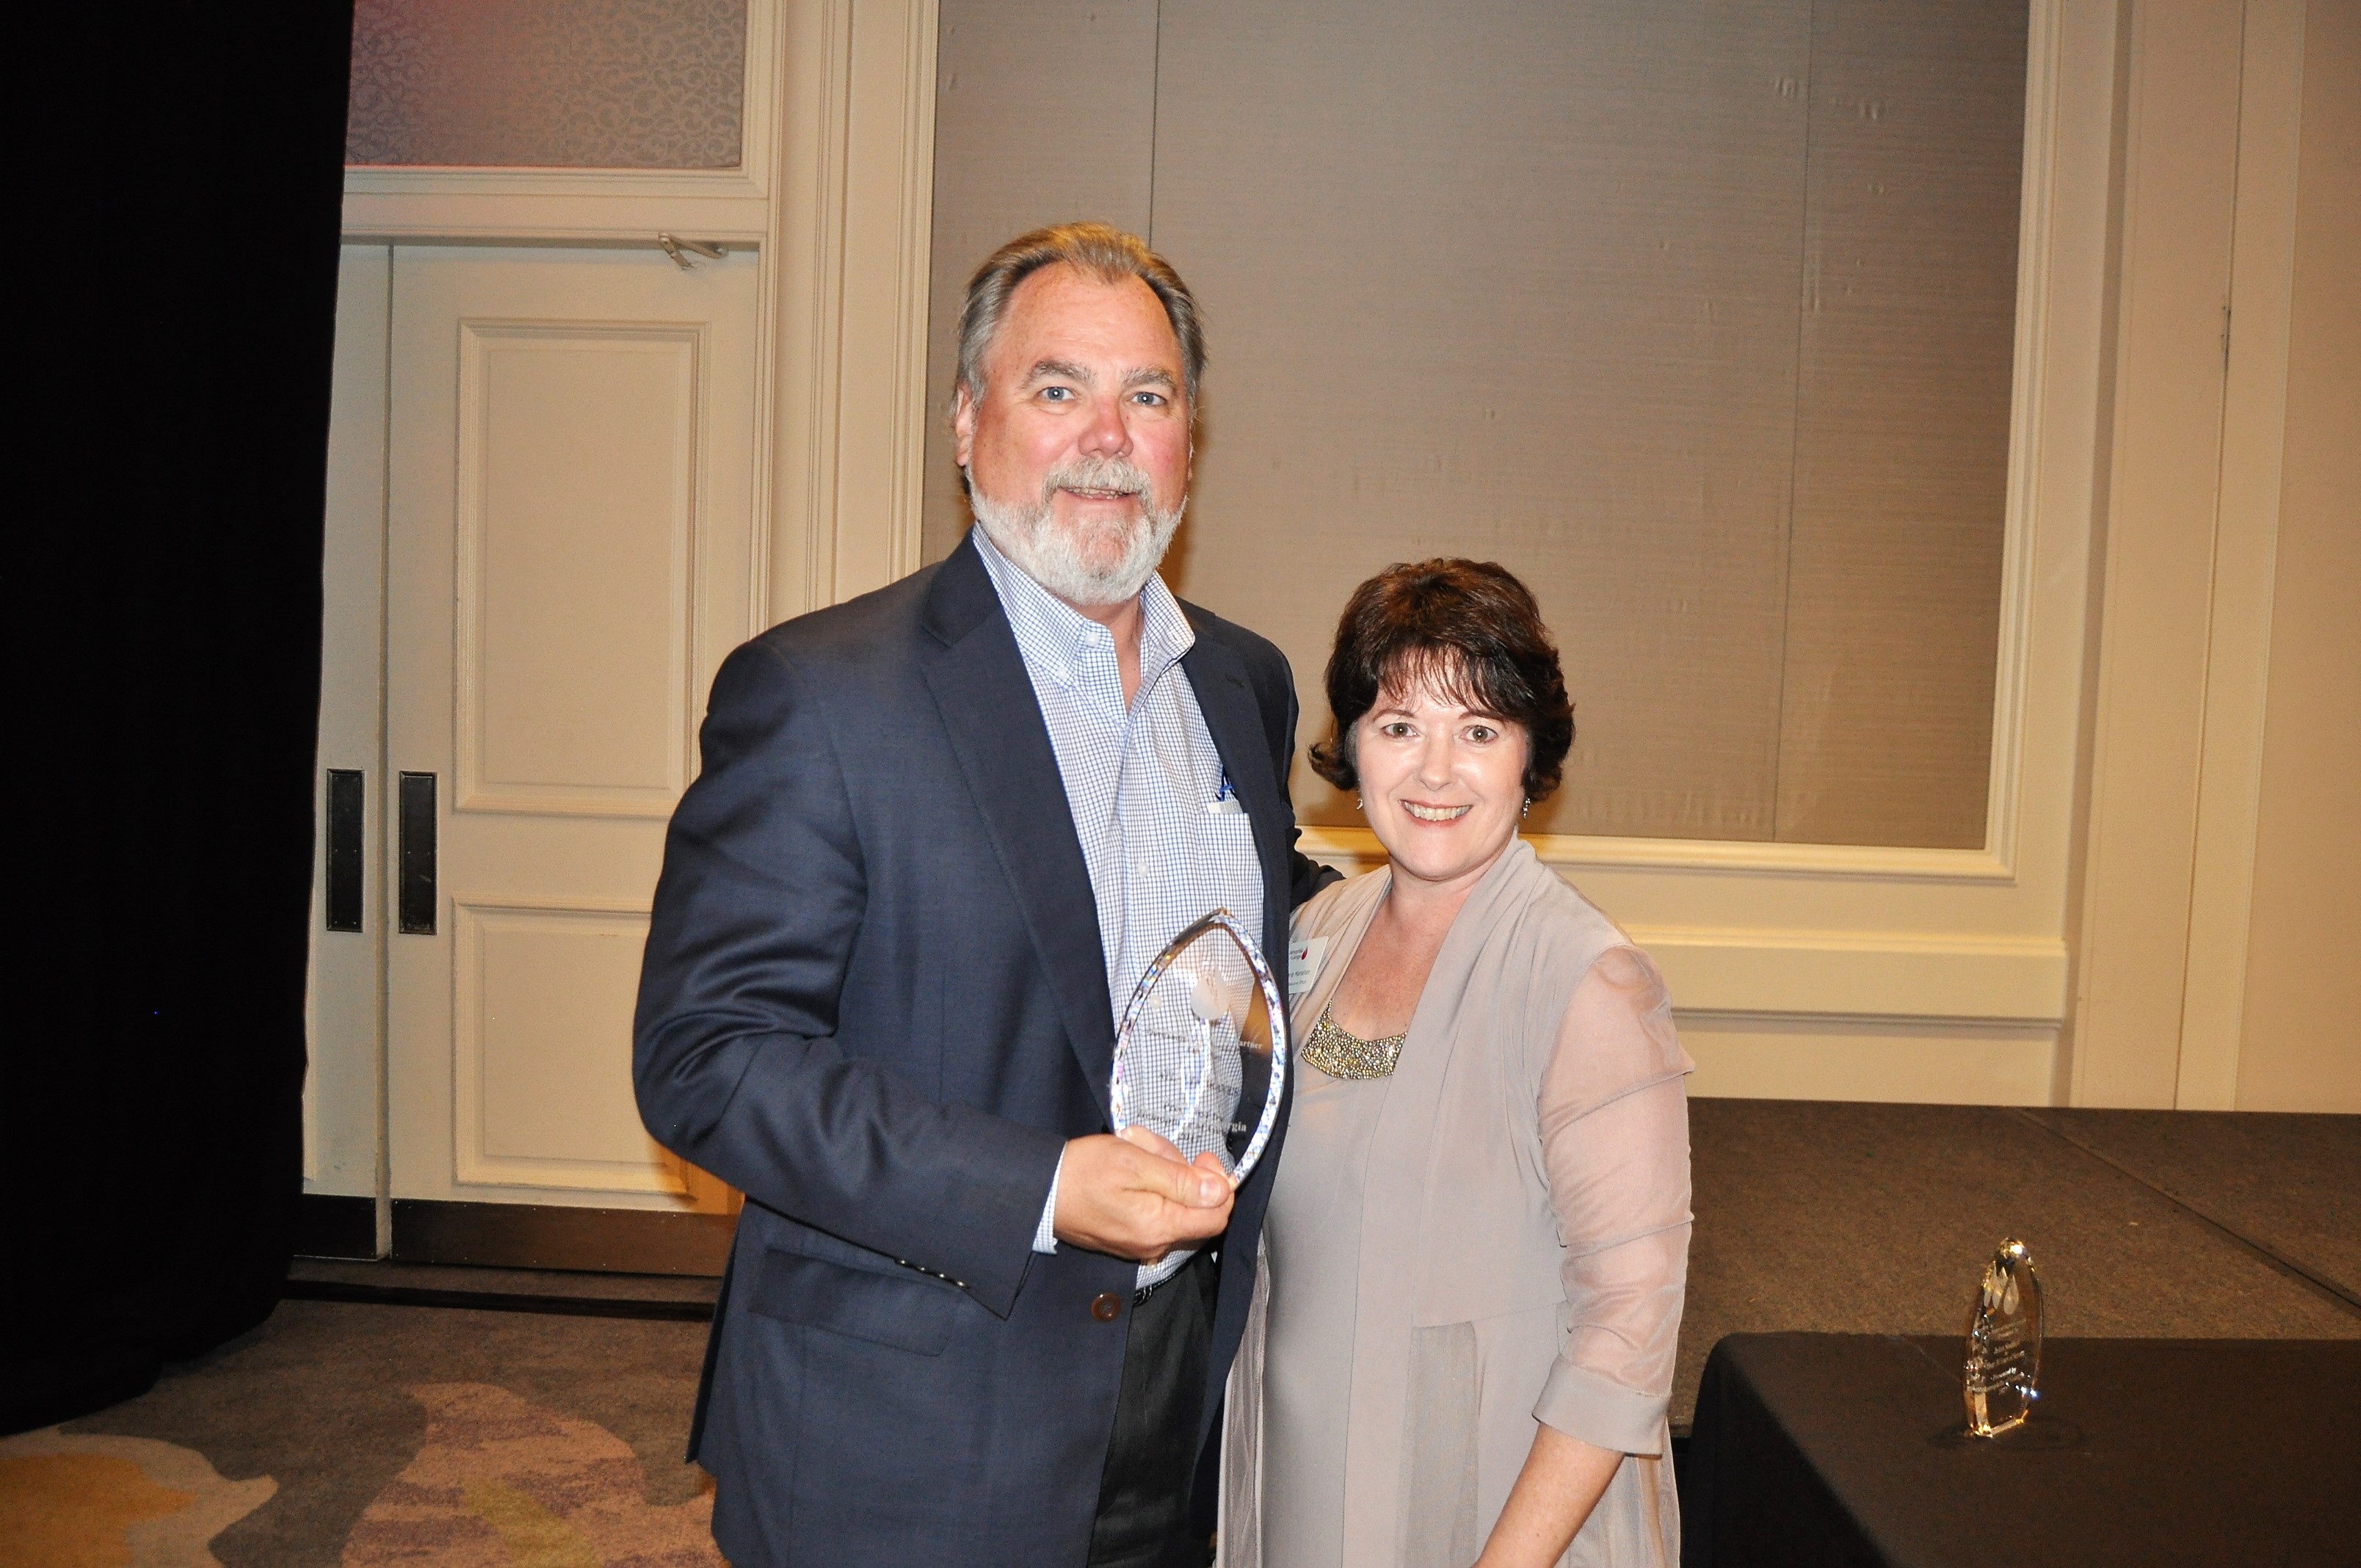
417,897
347,816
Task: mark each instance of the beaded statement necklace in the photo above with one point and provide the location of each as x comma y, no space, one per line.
1340,1055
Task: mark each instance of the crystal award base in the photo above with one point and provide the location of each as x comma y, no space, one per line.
2003,1343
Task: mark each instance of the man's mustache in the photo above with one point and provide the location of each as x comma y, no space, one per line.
1100,473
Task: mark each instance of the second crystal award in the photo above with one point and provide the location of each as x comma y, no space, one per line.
1200,1055
2003,1343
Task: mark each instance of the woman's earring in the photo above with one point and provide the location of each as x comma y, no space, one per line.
1357,805
1526,810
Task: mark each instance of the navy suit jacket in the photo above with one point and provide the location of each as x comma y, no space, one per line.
874,1001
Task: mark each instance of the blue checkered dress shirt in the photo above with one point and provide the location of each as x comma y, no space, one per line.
1142,783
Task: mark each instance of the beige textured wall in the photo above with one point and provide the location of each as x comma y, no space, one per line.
1524,291
2300,1048
1697,315
1901,423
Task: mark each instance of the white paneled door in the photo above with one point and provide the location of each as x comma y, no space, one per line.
569,554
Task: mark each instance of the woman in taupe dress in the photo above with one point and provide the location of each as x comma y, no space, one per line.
1478,1233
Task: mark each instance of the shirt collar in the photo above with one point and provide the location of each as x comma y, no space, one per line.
1053,634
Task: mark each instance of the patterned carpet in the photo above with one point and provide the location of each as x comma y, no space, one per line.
371,1436
501,1480
81,1500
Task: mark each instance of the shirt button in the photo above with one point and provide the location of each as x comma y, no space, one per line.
1106,1306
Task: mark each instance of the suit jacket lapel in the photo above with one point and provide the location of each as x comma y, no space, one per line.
1218,677
994,723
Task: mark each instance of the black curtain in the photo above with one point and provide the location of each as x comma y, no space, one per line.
177,186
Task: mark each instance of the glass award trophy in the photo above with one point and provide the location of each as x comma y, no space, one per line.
2003,1343
1200,1057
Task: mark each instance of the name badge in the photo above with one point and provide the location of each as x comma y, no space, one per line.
1304,961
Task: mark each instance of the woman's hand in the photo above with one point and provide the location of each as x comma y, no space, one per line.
1563,1480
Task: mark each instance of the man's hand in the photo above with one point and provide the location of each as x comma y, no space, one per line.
1131,1195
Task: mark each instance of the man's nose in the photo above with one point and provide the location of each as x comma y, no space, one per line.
1106,435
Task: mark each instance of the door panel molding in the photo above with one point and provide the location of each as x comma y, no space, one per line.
480,454
502,1076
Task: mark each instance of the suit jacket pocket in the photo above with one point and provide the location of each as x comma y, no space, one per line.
912,1313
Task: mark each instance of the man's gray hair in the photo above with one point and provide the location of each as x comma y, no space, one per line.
1101,250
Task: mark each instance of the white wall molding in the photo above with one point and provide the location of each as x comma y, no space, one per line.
852,232
2172,272
2206,267
1797,972
1357,849
2245,555
1853,1058
599,222
2031,436
1862,975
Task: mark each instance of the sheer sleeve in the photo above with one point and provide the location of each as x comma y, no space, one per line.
1614,1131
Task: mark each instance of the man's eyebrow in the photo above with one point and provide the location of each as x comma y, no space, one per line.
1057,370
1151,377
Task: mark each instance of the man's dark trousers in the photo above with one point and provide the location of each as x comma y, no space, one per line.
1144,1493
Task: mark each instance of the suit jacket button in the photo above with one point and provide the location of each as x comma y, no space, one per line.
1106,1306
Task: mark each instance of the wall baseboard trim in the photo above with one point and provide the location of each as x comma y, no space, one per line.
1903,1060
1861,974
353,1293
542,1235
328,1226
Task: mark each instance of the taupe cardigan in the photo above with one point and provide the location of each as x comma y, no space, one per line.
1537,1015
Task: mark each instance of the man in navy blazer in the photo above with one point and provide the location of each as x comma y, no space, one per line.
936,830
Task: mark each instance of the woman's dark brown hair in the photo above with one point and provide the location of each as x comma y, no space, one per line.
1473,631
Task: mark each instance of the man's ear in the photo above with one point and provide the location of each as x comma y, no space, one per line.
963,427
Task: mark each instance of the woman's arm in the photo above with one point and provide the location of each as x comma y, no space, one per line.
1563,1480
1614,1135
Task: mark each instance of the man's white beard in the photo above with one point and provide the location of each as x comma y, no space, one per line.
1059,559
